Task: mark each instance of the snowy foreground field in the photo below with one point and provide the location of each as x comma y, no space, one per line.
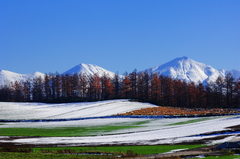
143,131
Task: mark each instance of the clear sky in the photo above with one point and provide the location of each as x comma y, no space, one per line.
118,35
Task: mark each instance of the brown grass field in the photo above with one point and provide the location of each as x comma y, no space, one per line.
181,111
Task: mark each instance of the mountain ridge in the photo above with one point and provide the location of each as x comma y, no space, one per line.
182,68
6,77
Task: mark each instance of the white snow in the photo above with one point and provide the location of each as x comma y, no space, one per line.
16,110
163,135
189,70
90,70
153,131
182,68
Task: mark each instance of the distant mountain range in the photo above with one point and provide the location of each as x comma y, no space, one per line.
182,68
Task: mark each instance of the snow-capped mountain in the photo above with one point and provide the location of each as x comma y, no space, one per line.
7,76
182,68
189,70
89,70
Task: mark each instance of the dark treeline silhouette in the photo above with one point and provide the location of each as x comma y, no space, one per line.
145,87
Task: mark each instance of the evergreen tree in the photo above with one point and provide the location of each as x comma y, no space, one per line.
27,90
116,86
229,89
47,87
133,80
37,89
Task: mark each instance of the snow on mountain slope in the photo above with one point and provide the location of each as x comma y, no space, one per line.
188,70
89,70
182,68
7,76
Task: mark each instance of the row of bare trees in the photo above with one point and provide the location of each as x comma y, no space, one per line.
162,90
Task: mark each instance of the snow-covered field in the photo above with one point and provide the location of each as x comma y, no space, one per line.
149,132
67,110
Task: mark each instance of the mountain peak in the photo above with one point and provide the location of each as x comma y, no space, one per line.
89,70
86,65
184,58
187,70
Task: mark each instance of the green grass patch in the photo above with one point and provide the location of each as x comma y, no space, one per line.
141,150
14,155
63,131
189,121
57,132
139,123
58,152
71,131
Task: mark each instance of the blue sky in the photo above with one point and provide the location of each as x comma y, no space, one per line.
118,35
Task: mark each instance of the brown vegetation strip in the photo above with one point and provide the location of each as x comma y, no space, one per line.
180,111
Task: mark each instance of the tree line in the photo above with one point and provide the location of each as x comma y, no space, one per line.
139,86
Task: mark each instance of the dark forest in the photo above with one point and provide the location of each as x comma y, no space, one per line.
143,86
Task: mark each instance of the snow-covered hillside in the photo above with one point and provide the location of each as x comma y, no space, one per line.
189,70
16,110
7,76
90,70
